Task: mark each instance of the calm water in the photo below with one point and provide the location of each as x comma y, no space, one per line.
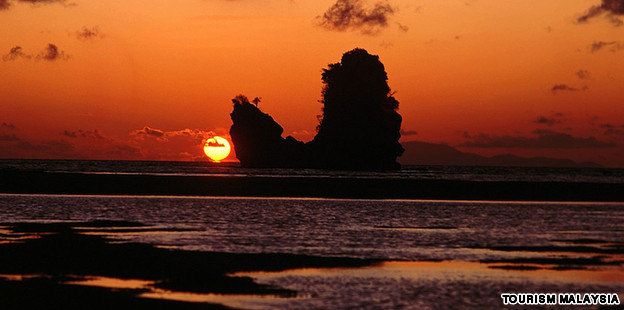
437,254
407,234
380,229
597,175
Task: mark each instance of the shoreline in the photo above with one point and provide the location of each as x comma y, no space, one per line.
36,182
56,262
64,264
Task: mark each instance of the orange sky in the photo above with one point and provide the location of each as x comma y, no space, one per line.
152,79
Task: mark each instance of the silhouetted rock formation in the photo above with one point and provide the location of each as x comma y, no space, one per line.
258,139
359,128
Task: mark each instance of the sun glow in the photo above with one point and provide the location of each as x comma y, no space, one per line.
217,148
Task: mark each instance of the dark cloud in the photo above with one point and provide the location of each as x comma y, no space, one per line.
71,134
148,131
8,137
542,139
355,15
408,132
593,120
546,120
52,53
92,134
4,137
86,34
15,53
611,9
385,44
563,87
14,146
7,126
6,4
52,148
6,132
583,74
124,151
42,1
402,27
613,130
612,46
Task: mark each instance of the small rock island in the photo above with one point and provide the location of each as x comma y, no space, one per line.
359,128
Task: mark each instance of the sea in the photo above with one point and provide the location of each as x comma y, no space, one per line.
434,254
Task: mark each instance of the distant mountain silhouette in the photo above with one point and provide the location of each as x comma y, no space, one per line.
423,153
358,130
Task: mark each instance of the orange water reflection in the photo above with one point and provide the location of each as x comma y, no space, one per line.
415,270
235,301
454,269
114,283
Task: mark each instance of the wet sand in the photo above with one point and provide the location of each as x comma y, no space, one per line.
35,182
43,265
74,265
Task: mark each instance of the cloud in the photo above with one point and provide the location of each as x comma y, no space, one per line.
583,74
69,148
542,139
355,15
7,132
548,120
146,143
402,27
612,9
613,130
15,53
143,144
53,146
196,134
42,1
124,151
565,87
86,34
92,134
8,137
161,144
6,4
15,147
52,53
408,132
385,44
612,46
6,126
149,132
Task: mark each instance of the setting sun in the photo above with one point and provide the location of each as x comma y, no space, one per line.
217,148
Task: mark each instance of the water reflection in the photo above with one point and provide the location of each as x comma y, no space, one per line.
449,270
235,301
